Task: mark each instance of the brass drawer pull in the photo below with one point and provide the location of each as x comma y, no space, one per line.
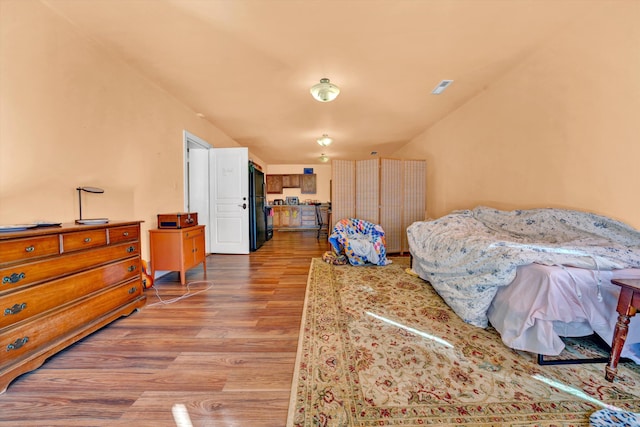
125,234
17,344
131,268
133,290
87,239
131,249
14,278
30,248
17,308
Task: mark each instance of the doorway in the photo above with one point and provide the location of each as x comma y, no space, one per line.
216,187
196,180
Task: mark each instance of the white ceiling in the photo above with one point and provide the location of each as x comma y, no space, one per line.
247,65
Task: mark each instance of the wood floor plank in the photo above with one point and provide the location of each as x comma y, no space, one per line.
226,350
261,332
236,360
90,359
267,409
48,408
69,381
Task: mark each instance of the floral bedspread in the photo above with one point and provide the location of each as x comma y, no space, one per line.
468,254
361,241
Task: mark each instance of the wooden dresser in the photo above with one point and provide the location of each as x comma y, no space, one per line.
178,250
60,284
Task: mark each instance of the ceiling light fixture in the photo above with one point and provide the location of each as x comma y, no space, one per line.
324,140
325,91
323,158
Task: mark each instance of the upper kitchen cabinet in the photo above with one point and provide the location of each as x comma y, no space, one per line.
308,184
290,181
274,184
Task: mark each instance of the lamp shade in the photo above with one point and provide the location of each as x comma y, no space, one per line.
323,158
91,189
324,140
325,91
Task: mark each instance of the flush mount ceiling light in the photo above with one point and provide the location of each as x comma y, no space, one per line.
325,91
323,158
324,140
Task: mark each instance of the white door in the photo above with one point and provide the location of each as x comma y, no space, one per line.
229,202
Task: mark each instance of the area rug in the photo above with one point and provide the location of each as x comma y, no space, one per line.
378,347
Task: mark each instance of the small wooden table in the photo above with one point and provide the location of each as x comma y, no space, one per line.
628,304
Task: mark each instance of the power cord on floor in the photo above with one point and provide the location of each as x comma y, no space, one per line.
187,294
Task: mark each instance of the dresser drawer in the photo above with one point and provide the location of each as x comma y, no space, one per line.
189,234
53,268
34,300
30,248
27,338
83,240
123,234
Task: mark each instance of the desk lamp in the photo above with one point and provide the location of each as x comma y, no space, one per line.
88,190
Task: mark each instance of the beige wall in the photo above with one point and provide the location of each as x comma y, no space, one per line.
323,180
561,129
72,115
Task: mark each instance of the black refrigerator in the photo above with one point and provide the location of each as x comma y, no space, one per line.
257,217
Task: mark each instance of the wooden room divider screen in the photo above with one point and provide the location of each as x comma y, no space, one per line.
389,192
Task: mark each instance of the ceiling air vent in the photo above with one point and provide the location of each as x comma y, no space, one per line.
441,87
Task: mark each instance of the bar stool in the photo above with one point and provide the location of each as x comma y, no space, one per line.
322,218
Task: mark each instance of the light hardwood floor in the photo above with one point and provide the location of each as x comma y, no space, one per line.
227,354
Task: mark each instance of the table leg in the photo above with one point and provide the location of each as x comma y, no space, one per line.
619,338
625,311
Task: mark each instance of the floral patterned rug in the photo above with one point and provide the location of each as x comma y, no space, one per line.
378,347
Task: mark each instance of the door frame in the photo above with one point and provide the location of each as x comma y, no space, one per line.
194,142
206,174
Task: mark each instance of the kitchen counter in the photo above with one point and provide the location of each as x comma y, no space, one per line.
295,217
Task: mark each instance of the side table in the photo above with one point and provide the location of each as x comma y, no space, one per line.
628,304
177,250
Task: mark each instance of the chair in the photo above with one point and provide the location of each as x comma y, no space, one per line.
322,221
362,242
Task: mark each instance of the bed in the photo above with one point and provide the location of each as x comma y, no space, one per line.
534,275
